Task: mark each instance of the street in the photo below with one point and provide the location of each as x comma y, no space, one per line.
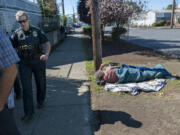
166,40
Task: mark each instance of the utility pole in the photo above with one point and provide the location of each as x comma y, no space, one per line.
63,7
172,14
73,16
43,5
96,33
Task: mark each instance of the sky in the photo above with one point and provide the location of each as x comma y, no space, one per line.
68,5
152,4
159,4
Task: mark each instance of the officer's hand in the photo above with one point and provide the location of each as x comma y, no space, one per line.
44,57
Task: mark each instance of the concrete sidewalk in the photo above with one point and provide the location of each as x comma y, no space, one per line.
67,108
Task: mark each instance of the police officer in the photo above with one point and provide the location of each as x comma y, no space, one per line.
33,49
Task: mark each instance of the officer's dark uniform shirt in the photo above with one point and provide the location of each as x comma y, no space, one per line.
28,43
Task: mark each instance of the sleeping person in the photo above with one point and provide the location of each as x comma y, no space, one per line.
129,74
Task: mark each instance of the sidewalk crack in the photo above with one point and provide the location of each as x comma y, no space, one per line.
69,71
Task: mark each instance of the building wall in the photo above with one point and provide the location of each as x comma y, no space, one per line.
152,17
8,9
138,19
163,16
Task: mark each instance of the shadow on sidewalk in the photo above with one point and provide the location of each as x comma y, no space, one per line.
65,111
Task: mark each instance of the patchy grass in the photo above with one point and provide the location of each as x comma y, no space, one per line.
90,71
90,64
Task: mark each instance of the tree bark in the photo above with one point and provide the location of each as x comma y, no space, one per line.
63,7
172,14
96,33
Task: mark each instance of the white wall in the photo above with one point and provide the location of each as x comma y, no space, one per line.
151,18
146,19
140,21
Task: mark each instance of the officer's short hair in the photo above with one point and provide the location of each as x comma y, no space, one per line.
21,13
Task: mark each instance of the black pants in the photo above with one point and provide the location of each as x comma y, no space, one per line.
26,69
7,123
17,86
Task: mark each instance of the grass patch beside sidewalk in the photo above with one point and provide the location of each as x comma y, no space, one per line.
89,63
90,69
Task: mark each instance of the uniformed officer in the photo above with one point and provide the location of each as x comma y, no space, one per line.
33,49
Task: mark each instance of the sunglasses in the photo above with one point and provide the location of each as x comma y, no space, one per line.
23,21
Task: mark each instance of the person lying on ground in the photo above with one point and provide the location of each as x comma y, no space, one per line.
130,74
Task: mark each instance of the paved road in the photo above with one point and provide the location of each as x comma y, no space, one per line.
166,40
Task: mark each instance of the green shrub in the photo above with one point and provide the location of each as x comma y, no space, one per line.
87,30
168,22
159,23
117,32
179,20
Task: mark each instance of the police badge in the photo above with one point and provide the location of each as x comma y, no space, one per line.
35,34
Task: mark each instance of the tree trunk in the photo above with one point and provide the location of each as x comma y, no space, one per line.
102,32
96,33
172,14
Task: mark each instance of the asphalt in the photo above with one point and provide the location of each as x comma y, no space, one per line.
161,39
67,107
165,40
